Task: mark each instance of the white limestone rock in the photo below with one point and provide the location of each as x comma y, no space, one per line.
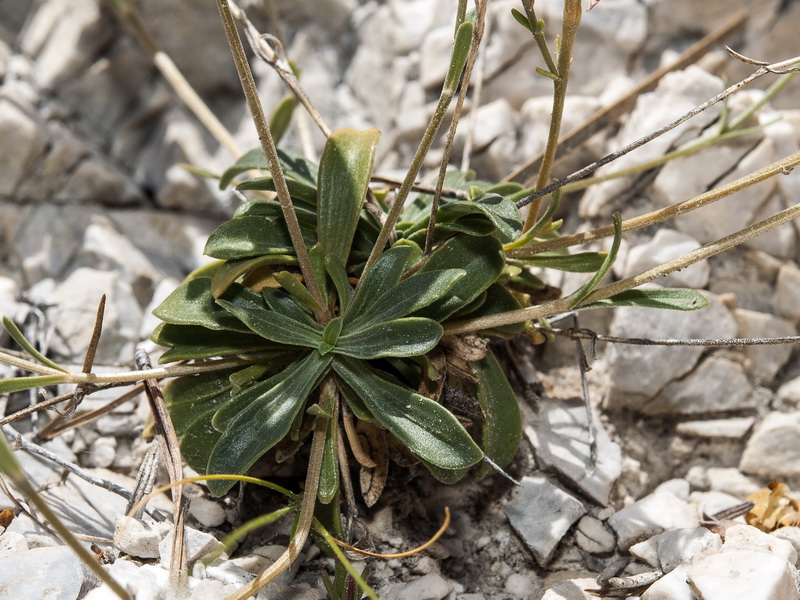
772,450
731,481
691,395
788,395
207,512
561,440
733,428
54,572
429,587
764,362
671,549
593,536
677,93
672,586
138,538
198,544
637,373
23,139
652,515
666,245
787,292
541,513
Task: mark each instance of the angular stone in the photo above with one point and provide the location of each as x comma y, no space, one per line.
746,537
54,572
198,544
731,481
666,245
561,439
772,450
744,574
571,589
593,536
672,586
734,429
637,373
791,535
429,587
691,395
22,140
137,538
541,513
683,546
788,395
651,515
787,292
95,181
764,362
207,512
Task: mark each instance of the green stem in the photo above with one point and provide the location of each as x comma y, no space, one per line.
569,29
268,145
539,37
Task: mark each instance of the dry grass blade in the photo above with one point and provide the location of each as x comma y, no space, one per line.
527,173
170,452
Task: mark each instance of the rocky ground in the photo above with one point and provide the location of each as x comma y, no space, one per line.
93,202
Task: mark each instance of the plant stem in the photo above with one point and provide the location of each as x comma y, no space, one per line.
561,305
451,134
782,67
306,517
782,166
569,29
539,37
268,145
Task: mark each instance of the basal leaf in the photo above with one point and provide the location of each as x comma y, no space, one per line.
344,172
17,336
251,236
294,166
481,258
669,298
578,296
189,398
188,342
296,290
192,304
498,300
329,473
428,429
197,443
298,190
265,419
411,336
287,305
383,275
17,384
282,117
414,293
231,270
272,325
502,424
330,335
498,210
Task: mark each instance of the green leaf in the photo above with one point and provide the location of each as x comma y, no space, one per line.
17,336
281,118
251,236
669,298
192,304
428,429
272,325
411,336
287,305
383,275
586,289
266,207
502,424
482,259
414,293
197,443
459,56
344,172
329,474
521,19
268,409
338,274
446,476
17,384
330,335
298,190
500,211
189,398
187,342
296,290
294,166
231,270
582,262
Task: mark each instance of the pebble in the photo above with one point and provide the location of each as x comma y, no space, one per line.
198,544
22,141
429,587
772,450
651,515
541,513
207,512
671,549
788,395
791,535
518,584
561,440
570,589
103,451
744,574
764,362
137,538
735,428
731,481
54,572
593,536
671,586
